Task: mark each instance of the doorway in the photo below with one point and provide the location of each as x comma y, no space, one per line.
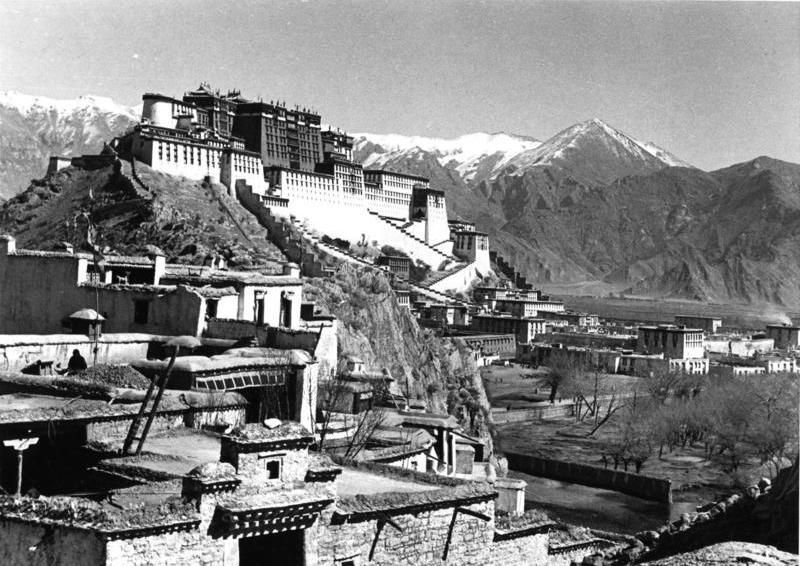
284,549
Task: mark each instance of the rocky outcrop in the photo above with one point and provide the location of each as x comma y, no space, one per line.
730,553
374,327
188,220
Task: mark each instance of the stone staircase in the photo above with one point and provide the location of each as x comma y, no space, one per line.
420,289
439,253
309,251
282,232
439,276
508,270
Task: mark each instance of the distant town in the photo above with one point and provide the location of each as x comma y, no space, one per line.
159,411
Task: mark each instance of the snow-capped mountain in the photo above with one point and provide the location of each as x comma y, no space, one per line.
472,156
32,128
595,152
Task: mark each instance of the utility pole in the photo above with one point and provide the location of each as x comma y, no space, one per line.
20,445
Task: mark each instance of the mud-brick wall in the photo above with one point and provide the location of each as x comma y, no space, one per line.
646,487
118,429
28,544
421,541
531,549
234,329
192,548
200,419
18,351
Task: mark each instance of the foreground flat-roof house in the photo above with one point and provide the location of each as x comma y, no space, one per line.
265,499
136,293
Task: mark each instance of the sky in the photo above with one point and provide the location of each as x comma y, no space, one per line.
715,83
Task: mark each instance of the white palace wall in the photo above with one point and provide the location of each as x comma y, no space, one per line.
198,161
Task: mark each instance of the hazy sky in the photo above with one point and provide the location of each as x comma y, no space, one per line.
715,83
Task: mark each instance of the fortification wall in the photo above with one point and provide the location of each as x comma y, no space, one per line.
350,223
646,487
461,280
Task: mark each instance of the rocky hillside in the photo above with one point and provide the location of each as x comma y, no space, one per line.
34,128
373,326
188,220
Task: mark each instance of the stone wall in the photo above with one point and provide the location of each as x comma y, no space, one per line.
193,548
531,549
104,431
646,487
28,544
231,329
502,416
422,539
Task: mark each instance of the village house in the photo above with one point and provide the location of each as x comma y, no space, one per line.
682,347
738,345
451,314
569,318
136,293
708,324
265,494
786,336
398,265
525,329
672,341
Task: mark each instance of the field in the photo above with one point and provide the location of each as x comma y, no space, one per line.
518,387
695,479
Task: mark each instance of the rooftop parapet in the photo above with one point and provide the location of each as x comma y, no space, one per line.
256,437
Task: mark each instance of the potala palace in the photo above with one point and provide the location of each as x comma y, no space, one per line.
280,159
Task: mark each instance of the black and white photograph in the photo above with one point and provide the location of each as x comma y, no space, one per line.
399,282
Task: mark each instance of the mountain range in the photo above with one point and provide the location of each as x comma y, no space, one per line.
594,210
589,210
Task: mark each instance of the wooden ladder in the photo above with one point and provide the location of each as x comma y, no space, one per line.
148,410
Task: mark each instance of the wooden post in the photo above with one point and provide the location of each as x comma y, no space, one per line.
20,445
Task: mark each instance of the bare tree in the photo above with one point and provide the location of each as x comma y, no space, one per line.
563,370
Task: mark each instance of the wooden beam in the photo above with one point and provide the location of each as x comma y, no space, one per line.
472,513
387,519
450,534
456,511
381,523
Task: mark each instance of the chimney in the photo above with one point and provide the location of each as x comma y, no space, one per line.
159,268
291,269
8,244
